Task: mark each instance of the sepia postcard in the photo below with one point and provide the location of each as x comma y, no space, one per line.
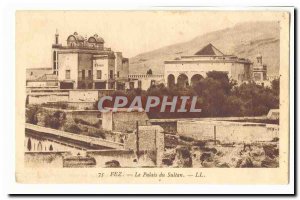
153,96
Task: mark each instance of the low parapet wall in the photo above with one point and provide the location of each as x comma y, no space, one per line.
228,131
143,76
75,96
44,159
126,158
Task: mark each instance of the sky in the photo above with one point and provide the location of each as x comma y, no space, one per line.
130,32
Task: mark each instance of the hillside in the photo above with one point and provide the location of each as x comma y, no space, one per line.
243,40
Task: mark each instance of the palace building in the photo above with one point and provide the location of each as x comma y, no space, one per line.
85,63
187,70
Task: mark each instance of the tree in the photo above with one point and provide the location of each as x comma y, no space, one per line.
31,114
72,128
257,100
217,96
275,86
29,144
223,78
213,94
55,120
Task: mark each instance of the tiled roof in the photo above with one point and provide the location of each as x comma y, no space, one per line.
209,50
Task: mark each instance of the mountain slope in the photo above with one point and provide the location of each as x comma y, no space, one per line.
243,40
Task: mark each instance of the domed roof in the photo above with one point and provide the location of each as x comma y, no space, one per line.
96,39
76,36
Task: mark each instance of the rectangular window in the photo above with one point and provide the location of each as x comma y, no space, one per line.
118,74
131,85
54,55
90,73
83,74
68,74
111,74
99,74
257,76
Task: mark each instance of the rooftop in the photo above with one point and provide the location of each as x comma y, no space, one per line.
208,53
209,50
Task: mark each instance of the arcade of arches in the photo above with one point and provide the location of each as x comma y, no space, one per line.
182,80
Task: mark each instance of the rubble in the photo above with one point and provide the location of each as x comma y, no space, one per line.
183,157
112,164
271,150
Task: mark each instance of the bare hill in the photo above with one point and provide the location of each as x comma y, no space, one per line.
243,40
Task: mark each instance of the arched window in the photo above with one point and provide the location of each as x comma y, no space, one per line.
195,79
171,80
182,80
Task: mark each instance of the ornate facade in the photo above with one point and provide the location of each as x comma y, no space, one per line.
86,64
187,70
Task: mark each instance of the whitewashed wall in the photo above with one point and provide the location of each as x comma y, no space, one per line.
228,131
68,61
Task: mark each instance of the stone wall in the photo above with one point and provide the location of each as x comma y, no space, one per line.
34,73
45,98
146,80
123,121
44,159
90,116
107,122
150,139
169,127
42,84
125,158
81,105
83,95
228,131
78,98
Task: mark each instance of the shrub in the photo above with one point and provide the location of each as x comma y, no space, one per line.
83,122
275,139
199,143
60,115
186,138
55,120
94,132
72,128
112,164
31,114
63,105
52,122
